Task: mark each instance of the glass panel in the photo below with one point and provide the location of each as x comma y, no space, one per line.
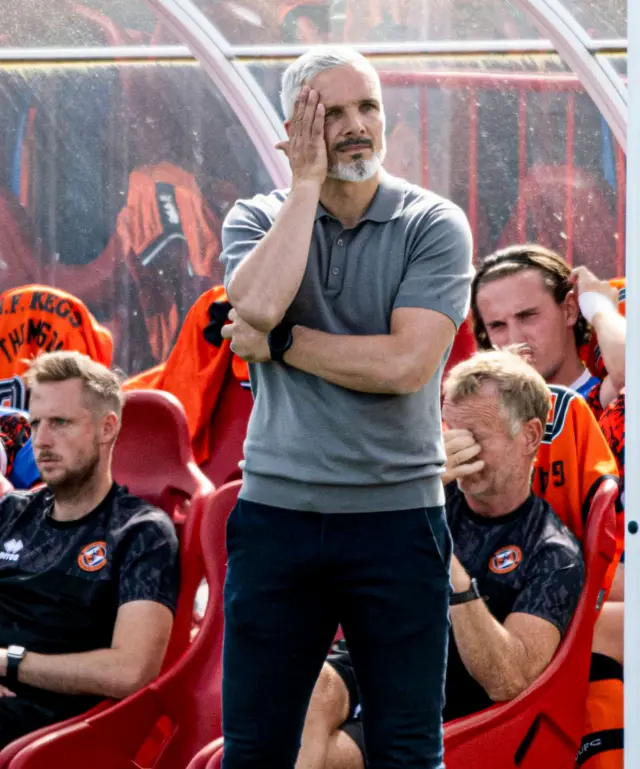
255,22
57,23
619,63
515,141
602,19
114,181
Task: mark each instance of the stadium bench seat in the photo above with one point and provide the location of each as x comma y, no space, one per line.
228,430
153,456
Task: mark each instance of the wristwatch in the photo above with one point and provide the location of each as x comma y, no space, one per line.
472,594
280,340
15,655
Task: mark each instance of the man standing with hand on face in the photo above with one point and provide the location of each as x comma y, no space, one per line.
347,291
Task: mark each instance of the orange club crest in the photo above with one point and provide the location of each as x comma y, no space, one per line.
93,557
506,559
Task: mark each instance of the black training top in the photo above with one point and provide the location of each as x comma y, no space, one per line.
526,561
62,583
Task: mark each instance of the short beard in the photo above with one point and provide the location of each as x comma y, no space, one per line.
359,169
76,480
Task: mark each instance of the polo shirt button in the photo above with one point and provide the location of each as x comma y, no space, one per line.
336,271
340,243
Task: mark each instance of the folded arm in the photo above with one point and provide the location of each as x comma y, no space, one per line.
139,643
398,363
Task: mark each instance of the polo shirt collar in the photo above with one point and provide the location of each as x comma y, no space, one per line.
387,203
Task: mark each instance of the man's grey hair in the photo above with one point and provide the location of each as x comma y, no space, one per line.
317,60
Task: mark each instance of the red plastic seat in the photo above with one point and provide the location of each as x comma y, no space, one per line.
228,430
167,723
544,725
153,455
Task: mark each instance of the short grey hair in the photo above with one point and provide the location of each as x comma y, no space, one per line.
312,63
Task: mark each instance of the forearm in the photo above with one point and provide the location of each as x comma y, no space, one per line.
104,672
611,329
371,364
492,655
266,282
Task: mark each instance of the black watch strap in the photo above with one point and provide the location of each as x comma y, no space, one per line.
15,655
472,594
280,340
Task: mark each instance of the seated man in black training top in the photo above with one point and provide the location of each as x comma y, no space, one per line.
516,570
88,573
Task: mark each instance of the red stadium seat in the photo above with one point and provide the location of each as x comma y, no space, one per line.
228,430
544,725
167,723
463,347
153,456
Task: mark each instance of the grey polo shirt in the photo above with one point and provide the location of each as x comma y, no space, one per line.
312,445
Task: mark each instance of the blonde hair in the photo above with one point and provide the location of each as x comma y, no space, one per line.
100,384
523,393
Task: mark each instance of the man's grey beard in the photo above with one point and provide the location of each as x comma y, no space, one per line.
357,170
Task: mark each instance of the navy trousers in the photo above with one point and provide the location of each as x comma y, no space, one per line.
292,578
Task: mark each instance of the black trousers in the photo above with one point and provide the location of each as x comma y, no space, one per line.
292,578
19,716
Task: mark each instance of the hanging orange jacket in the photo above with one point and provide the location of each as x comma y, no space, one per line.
167,236
196,368
36,319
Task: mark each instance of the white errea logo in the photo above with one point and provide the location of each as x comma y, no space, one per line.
170,210
12,550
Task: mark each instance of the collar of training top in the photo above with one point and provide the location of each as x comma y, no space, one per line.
387,204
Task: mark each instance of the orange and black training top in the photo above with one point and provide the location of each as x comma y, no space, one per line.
573,459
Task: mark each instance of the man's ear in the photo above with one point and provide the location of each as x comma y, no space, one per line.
532,432
571,308
109,427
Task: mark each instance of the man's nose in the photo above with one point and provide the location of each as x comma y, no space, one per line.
42,435
355,123
515,335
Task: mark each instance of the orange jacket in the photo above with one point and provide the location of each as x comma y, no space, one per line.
167,237
195,370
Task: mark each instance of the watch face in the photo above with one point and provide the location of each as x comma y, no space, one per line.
16,651
279,337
